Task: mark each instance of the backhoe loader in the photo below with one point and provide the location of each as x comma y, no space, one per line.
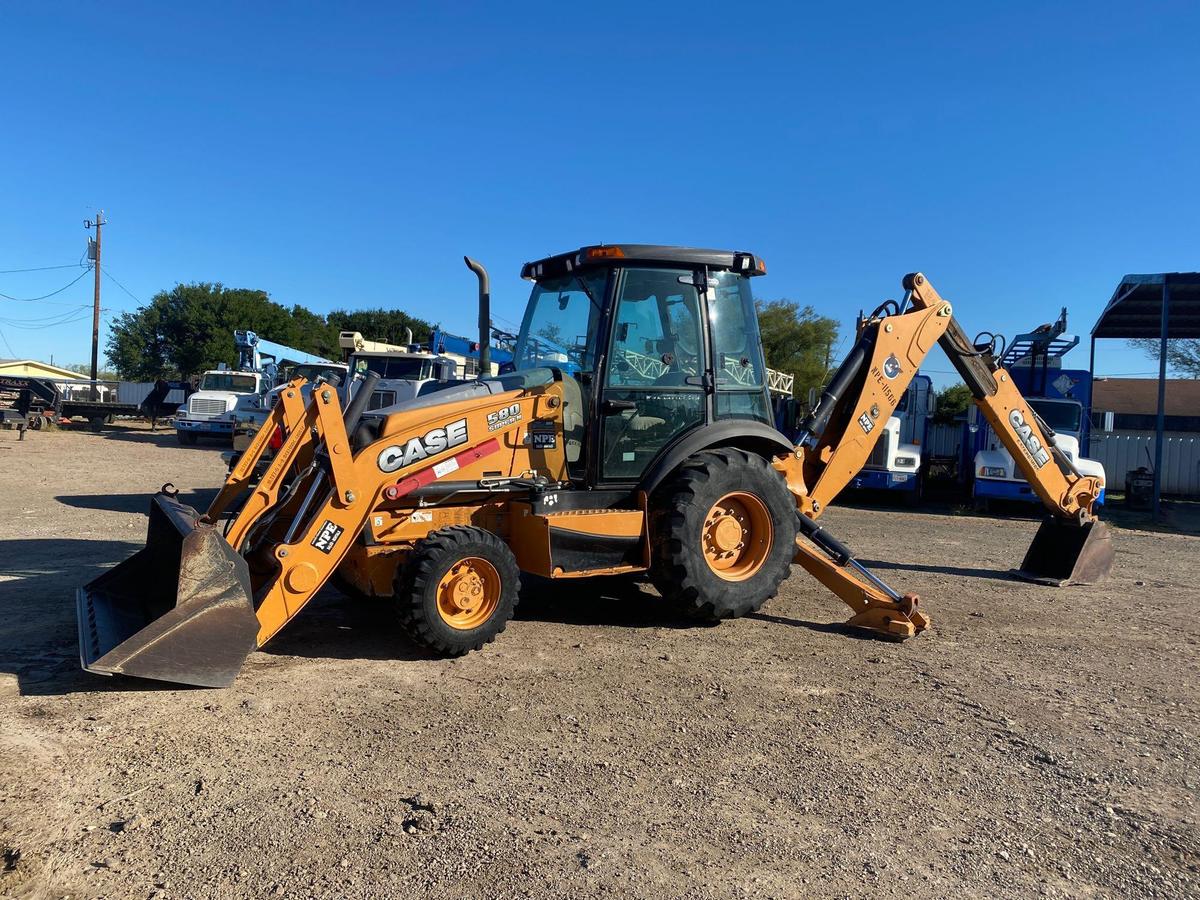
632,436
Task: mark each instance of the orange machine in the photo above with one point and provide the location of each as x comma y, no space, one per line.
633,436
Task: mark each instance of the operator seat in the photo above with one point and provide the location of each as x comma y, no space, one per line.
574,420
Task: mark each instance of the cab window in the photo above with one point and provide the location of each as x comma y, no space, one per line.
737,352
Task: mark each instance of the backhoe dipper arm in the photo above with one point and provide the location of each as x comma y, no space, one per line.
1065,492
837,438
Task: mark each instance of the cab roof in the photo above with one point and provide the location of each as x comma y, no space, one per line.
655,254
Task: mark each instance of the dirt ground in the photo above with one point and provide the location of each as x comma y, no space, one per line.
1036,742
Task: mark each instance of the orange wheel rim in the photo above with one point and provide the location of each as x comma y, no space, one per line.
468,593
736,537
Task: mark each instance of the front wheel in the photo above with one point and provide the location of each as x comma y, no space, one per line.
457,590
724,535
187,438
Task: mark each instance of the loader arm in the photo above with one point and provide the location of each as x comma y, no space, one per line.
837,438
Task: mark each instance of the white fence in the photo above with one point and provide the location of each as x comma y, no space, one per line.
1122,451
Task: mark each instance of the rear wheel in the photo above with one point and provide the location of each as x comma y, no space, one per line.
724,535
457,590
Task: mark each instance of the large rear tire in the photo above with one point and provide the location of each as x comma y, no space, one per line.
724,535
457,590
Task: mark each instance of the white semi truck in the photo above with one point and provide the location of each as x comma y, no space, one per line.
895,460
225,394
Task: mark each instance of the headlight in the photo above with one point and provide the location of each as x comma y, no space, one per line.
992,472
906,460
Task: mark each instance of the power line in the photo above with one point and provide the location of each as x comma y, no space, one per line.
66,318
51,294
39,269
57,315
109,275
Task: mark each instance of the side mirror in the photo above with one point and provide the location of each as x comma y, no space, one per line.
973,418
931,403
812,398
1110,421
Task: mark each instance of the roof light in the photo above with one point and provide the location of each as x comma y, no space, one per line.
605,253
762,266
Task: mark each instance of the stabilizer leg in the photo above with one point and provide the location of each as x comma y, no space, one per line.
877,606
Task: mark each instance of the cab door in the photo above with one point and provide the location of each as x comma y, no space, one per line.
656,381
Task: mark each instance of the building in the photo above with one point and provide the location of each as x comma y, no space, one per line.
1131,444
1134,403
32,368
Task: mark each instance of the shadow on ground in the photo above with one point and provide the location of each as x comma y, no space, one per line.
966,572
39,643
164,436
134,503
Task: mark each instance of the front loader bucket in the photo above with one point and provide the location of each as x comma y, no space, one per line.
1064,552
178,610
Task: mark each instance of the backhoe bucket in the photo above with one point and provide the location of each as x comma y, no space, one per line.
178,610
1065,553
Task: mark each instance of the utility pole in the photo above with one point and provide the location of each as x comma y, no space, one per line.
98,224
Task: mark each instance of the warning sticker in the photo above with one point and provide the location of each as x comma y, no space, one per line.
445,467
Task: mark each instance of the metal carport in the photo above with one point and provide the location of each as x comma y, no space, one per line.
1165,306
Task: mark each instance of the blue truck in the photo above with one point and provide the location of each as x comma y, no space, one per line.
1062,398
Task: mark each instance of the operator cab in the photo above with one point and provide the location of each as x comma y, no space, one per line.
652,342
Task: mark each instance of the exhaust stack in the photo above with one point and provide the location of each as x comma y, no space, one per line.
485,316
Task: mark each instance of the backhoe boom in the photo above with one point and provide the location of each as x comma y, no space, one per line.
837,438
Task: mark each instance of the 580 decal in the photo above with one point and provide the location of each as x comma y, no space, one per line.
502,418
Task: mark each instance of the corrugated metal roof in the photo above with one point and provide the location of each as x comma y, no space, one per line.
1139,396
1135,310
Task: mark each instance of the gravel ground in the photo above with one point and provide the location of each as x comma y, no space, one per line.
1035,742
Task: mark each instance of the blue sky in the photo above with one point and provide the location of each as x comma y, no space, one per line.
1023,155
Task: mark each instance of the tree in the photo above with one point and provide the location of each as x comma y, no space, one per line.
190,328
1183,356
798,341
386,325
952,401
85,369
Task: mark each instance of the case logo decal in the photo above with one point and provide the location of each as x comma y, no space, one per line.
433,442
1028,438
